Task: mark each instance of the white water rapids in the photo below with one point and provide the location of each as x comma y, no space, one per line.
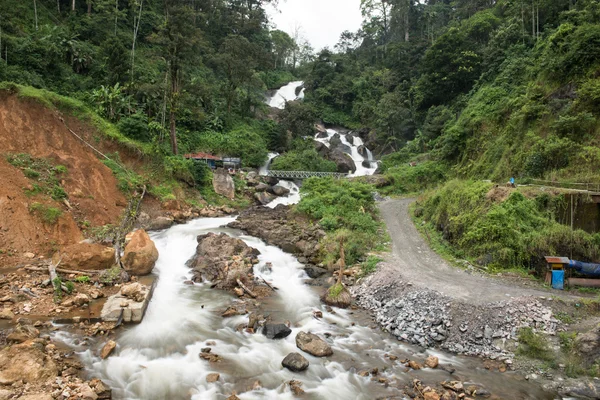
159,358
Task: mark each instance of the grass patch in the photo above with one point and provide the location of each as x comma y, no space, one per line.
533,345
404,178
43,172
47,214
370,265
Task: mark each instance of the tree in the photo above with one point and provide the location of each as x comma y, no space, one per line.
283,45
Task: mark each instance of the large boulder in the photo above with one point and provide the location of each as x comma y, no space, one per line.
264,198
282,228
140,254
222,260
280,190
295,362
223,183
86,256
312,344
335,143
276,331
344,162
159,223
26,362
321,148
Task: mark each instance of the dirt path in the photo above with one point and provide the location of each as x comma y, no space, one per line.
412,257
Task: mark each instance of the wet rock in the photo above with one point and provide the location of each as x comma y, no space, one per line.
160,223
140,254
86,392
232,311
86,256
211,357
345,163
135,291
233,397
223,183
27,363
101,389
22,333
296,387
295,362
211,378
414,365
276,331
280,190
108,348
431,396
312,344
261,187
432,362
314,271
81,299
223,259
264,198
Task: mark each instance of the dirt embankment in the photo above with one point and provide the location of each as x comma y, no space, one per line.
93,197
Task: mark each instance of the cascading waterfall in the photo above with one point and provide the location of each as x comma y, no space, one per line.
285,94
354,153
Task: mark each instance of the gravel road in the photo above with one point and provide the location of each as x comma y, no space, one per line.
414,260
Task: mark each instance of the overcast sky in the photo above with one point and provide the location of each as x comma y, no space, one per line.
322,21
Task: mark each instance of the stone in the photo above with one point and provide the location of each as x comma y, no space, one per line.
6,313
223,183
280,190
276,331
262,187
27,363
29,255
295,362
431,396
414,365
6,394
135,291
22,333
222,260
81,299
140,254
233,397
314,271
160,223
87,393
264,198
36,396
296,388
344,162
432,362
86,256
211,378
107,349
312,344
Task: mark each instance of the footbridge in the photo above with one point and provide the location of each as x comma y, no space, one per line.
303,174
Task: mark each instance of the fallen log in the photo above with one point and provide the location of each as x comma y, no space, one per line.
63,271
273,288
250,293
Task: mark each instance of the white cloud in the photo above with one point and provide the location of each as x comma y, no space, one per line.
322,21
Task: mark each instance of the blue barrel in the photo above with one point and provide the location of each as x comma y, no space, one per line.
558,279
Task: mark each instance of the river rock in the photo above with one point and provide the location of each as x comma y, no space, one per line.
108,349
86,256
280,190
223,259
81,299
261,187
211,378
335,143
315,272
321,148
160,223
312,344
345,163
282,228
295,362
140,254
432,362
135,291
276,331
264,198
6,313
25,363
223,183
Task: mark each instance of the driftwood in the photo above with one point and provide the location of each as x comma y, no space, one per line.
246,289
127,223
54,279
273,288
63,271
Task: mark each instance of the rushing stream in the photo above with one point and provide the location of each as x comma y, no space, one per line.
159,358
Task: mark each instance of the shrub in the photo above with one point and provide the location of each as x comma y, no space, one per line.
303,160
135,127
408,179
49,215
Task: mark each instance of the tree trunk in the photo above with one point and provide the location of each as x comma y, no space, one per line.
73,6
173,108
89,12
342,262
35,13
58,6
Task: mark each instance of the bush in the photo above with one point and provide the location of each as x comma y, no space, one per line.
408,179
135,127
303,158
47,214
533,345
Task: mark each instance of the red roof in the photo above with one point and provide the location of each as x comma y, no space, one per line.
203,156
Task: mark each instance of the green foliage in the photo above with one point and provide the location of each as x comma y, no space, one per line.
499,229
70,287
533,345
406,178
83,279
335,290
110,276
126,180
47,214
303,157
370,265
344,209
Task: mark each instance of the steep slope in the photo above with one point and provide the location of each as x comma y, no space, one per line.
93,198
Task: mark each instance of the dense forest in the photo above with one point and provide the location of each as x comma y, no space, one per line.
495,88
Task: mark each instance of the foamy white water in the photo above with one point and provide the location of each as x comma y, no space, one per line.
285,94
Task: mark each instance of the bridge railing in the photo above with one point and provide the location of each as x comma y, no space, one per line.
303,174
